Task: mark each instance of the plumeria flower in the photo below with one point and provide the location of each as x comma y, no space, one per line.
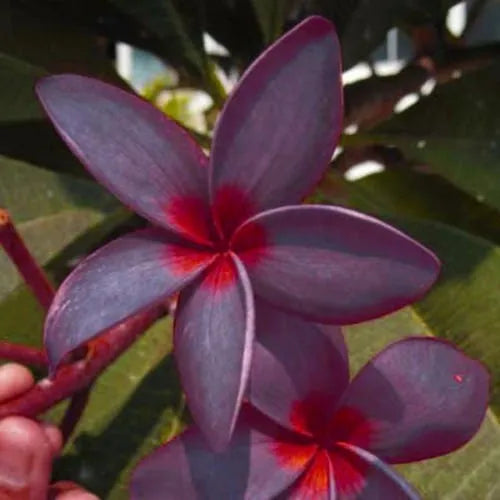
310,434
224,229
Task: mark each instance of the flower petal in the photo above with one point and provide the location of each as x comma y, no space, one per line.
299,369
316,483
419,398
214,333
279,128
333,265
145,159
186,468
359,475
129,274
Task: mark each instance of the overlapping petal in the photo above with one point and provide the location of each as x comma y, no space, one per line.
214,332
417,399
133,149
299,369
359,475
280,126
331,264
129,274
186,468
316,483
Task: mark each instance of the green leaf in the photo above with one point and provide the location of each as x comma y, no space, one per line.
463,306
135,406
32,33
22,121
271,15
34,42
17,80
52,212
412,194
471,472
455,132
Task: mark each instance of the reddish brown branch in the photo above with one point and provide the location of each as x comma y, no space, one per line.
25,355
74,412
27,266
371,101
69,379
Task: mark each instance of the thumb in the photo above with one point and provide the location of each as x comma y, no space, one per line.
25,460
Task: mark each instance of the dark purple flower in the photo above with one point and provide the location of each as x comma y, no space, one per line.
315,435
224,232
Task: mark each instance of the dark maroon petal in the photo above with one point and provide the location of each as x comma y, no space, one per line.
145,159
333,265
417,399
279,128
186,468
316,483
214,332
127,275
299,369
359,475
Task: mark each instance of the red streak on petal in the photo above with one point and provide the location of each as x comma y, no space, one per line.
459,378
293,455
316,480
190,215
351,426
221,274
183,260
231,206
251,243
349,472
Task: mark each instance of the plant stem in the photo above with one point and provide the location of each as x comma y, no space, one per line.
23,354
77,376
31,272
74,412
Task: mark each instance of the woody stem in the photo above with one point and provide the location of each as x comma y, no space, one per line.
70,379
17,251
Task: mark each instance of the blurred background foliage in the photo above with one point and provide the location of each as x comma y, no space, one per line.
421,149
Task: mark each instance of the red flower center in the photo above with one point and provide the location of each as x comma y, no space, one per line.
329,437
231,207
191,216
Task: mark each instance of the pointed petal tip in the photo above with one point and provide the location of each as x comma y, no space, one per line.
431,270
55,350
318,25
271,145
334,265
149,162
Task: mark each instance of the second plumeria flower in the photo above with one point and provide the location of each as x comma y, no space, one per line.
317,436
224,227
